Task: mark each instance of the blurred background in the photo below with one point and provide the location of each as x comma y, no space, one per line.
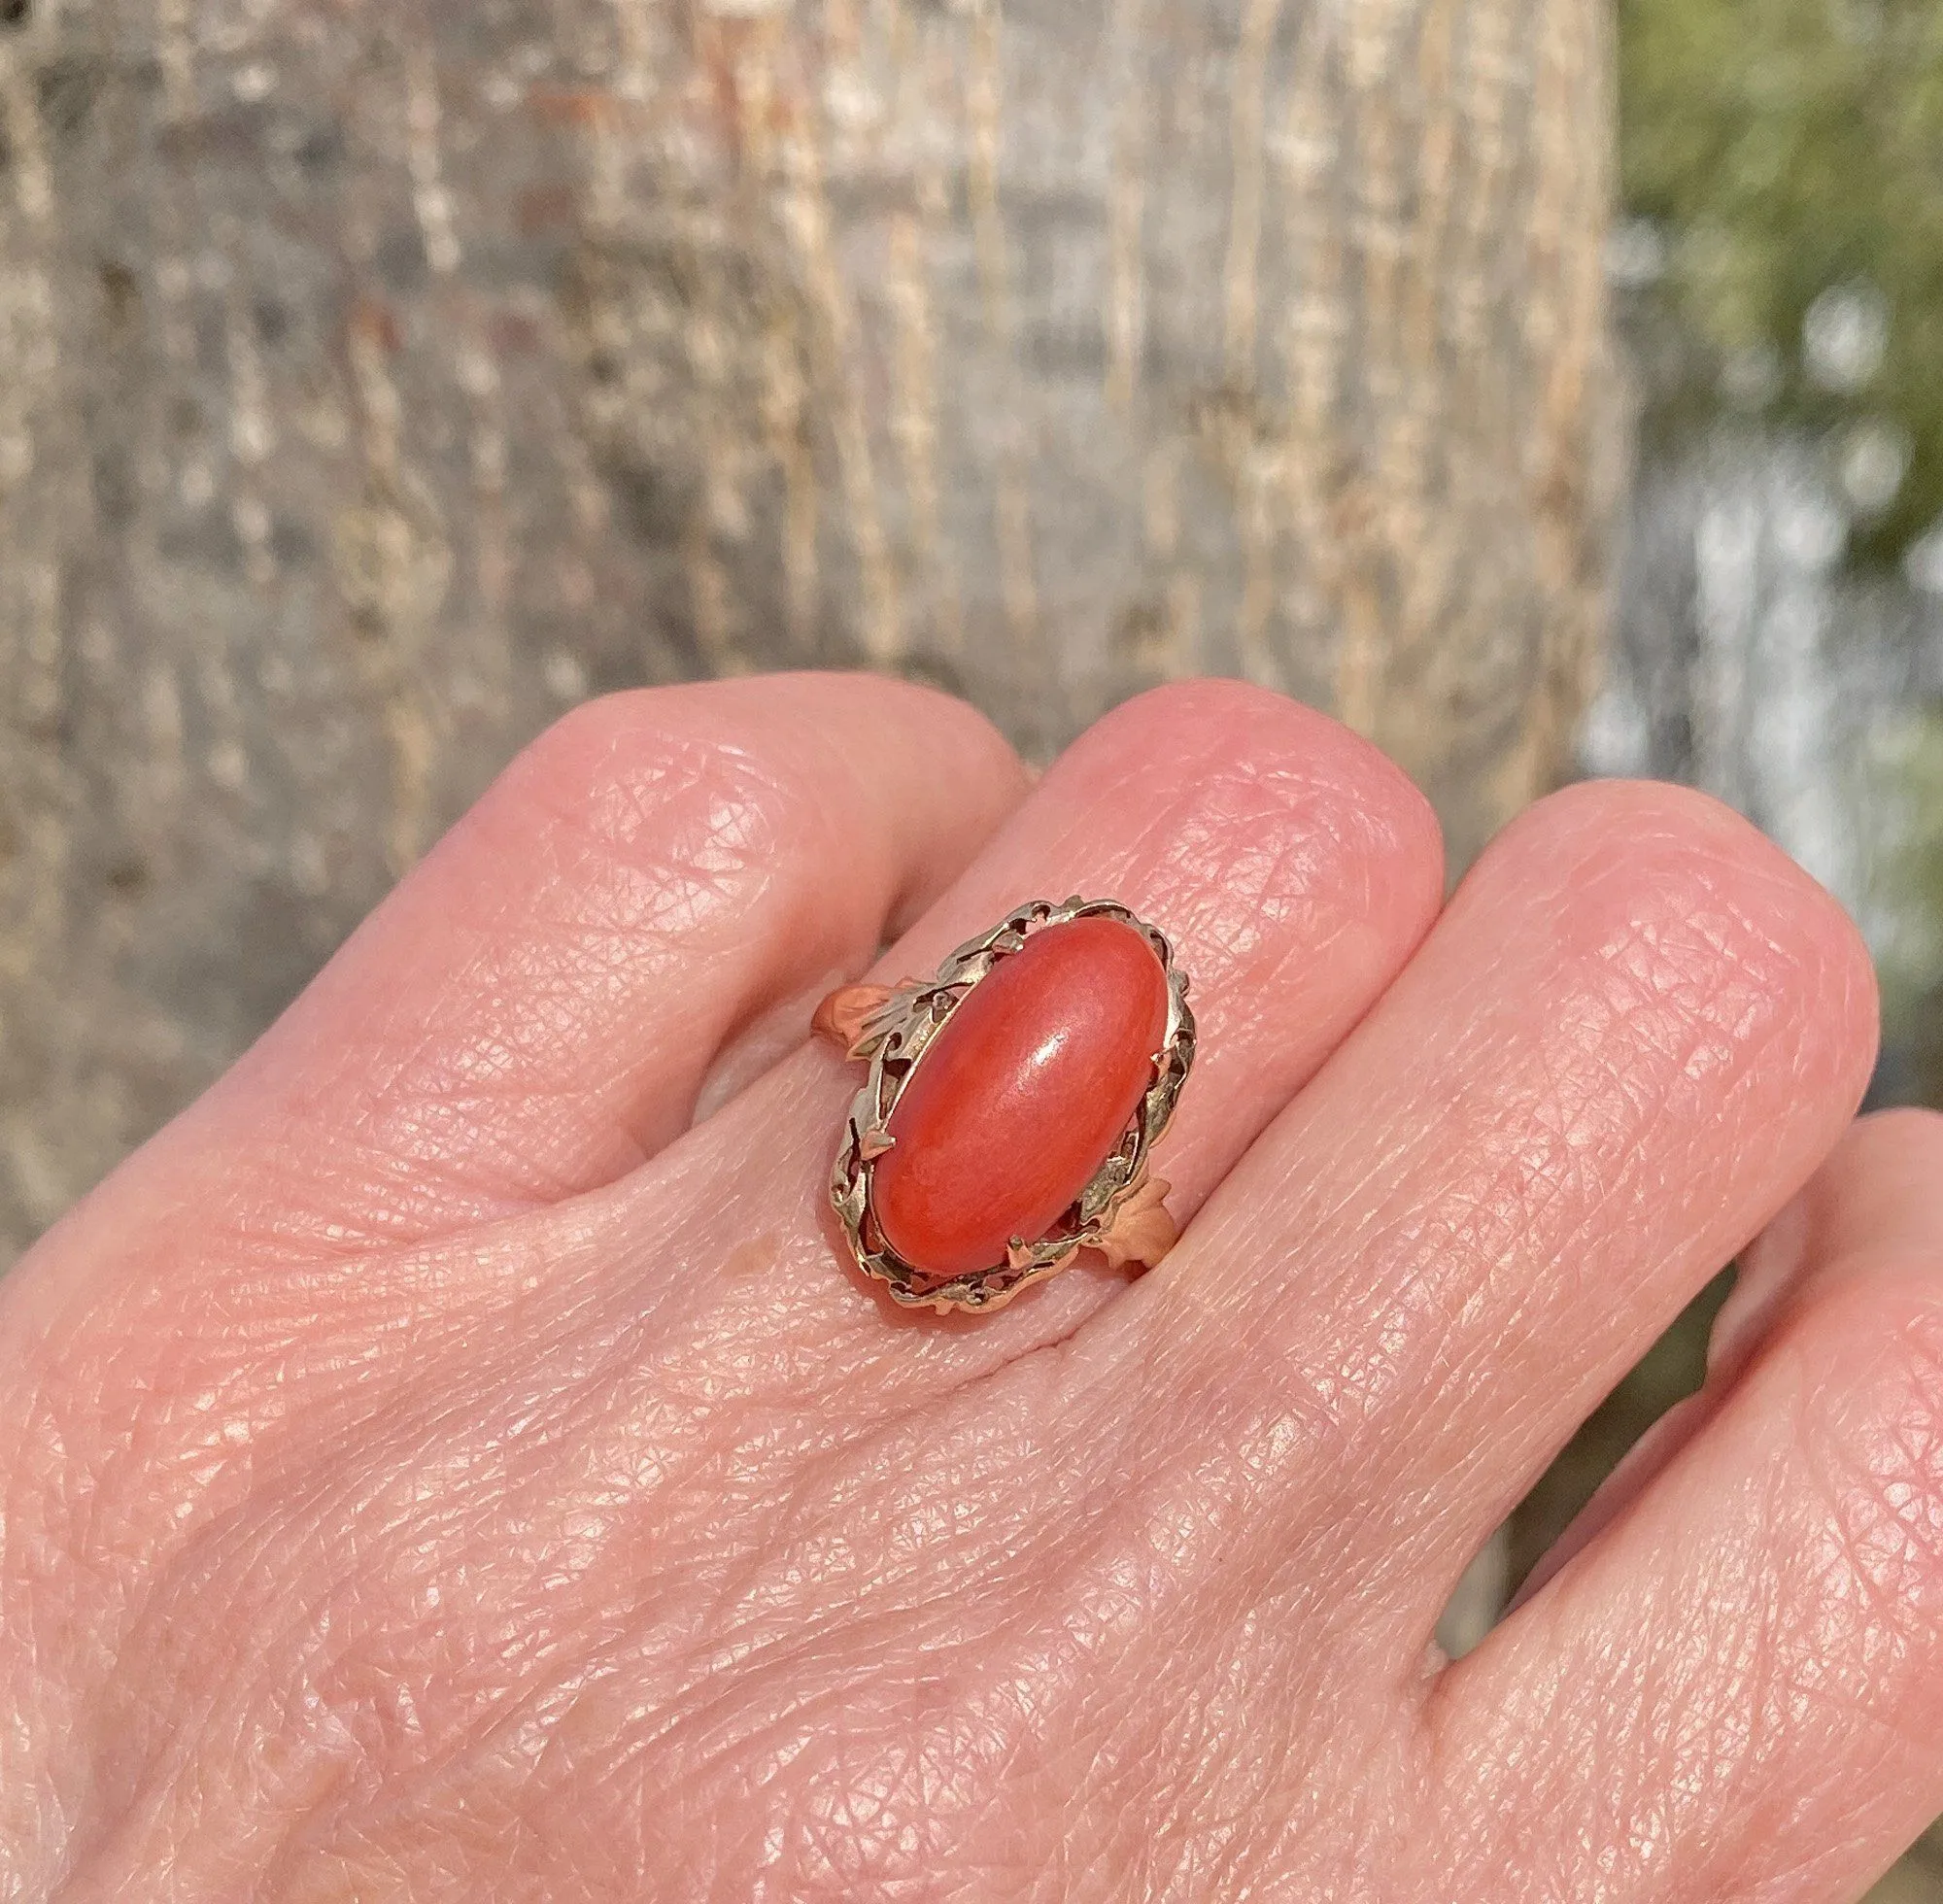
1547,388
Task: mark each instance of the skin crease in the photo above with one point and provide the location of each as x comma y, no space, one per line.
438,1466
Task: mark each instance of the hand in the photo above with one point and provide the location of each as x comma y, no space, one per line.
452,1461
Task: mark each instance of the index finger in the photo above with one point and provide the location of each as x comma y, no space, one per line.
535,1008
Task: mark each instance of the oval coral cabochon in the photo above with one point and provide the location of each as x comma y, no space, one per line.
1020,1097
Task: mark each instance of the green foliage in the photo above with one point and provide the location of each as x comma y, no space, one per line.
1784,148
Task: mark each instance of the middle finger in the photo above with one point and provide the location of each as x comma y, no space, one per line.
1293,869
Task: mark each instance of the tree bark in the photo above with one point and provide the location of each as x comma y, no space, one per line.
375,380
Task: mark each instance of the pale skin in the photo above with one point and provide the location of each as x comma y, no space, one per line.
453,1460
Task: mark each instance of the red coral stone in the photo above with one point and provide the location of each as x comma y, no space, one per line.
1018,1100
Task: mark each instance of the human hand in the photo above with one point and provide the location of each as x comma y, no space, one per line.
453,1460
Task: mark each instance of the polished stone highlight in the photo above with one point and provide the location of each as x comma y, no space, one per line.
1020,1097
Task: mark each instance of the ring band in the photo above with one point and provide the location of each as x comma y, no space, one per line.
1010,1106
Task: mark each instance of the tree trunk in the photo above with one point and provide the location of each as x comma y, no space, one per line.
375,380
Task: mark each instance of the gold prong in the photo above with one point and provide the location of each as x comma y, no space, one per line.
841,1017
1140,1229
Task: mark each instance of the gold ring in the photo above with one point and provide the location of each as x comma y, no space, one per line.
1012,1104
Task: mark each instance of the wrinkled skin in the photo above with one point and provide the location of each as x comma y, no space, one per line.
454,1461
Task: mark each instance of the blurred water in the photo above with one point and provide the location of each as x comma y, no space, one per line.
1747,658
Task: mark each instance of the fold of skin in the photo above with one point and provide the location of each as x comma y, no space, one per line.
453,1459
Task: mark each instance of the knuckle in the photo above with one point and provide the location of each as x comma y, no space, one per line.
1230,734
1665,852
1257,825
643,827
1692,947
572,747
635,771
1648,836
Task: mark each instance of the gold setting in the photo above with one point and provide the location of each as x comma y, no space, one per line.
1119,1212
